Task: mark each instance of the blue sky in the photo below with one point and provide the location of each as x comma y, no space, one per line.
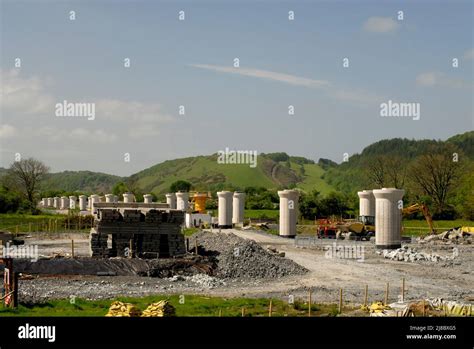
190,63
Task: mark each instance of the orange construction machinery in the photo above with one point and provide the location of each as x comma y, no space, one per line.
423,209
199,200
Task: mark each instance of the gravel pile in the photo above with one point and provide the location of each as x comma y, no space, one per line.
242,258
408,254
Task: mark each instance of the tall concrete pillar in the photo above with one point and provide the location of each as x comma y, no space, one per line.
182,200
72,202
128,198
115,198
109,197
94,199
148,198
102,199
171,200
82,202
225,209
238,207
64,202
50,202
388,217
44,202
366,203
288,212
57,202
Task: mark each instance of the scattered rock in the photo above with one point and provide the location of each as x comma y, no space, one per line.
449,237
408,254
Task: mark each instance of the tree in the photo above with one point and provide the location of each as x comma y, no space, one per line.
388,171
180,186
434,174
10,201
309,205
376,172
133,186
119,189
26,175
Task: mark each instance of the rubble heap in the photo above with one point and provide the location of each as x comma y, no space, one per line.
242,258
452,236
408,254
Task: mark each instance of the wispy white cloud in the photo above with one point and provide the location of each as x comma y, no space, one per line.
357,96
380,25
145,119
23,95
354,96
77,135
29,97
7,131
469,54
131,111
431,79
265,74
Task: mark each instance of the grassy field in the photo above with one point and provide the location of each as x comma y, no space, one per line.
10,221
410,227
419,227
192,306
261,214
25,223
190,231
313,180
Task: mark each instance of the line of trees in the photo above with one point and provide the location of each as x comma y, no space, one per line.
433,178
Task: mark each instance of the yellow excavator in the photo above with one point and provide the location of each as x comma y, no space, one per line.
423,209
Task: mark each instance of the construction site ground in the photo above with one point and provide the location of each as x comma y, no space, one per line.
452,280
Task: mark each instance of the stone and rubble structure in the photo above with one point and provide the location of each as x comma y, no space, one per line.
143,230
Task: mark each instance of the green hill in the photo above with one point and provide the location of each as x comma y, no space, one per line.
83,181
354,175
205,173
273,170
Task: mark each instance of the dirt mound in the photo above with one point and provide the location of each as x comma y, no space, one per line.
241,258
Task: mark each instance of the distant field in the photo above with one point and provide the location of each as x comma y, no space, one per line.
410,227
193,306
9,221
313,181
261,214
24,223
419,227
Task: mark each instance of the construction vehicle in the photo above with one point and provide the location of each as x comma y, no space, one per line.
361,229
327,228
423,209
